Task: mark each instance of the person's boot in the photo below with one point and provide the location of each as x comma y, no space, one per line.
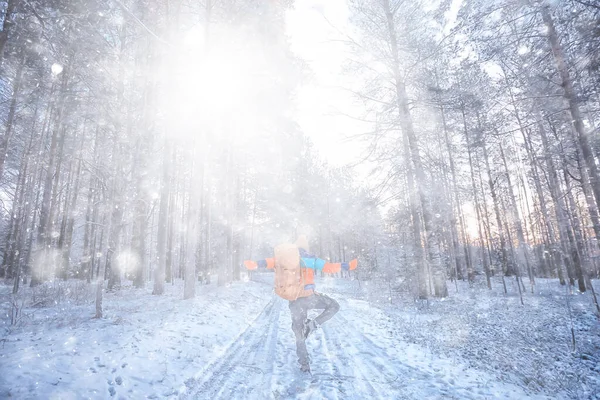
310,325
305,367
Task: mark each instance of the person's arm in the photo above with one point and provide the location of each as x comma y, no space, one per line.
332,268
266,263
313,262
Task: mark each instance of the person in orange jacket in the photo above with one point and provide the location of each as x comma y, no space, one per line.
307,298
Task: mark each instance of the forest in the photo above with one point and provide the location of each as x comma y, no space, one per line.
150,149
144,142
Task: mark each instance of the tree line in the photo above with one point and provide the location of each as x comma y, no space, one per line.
153,140
486,114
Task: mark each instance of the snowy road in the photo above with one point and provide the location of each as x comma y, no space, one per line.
347,363
248,360
236,342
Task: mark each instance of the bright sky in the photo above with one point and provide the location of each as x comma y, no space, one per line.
315,28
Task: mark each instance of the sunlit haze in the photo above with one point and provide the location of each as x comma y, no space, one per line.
299,199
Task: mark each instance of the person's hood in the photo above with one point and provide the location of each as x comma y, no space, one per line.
302,242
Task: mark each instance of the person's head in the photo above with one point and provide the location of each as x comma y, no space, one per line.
302,242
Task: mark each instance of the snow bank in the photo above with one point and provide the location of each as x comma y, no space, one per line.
235,342
145,346
530,345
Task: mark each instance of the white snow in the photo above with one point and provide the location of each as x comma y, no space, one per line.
56,69
236,342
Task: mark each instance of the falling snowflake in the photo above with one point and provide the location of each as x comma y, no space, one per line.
56,69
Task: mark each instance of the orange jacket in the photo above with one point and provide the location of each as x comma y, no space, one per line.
309,263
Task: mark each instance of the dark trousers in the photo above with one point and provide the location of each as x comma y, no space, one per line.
299,309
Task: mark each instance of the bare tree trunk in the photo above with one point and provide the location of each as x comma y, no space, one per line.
516,269
570,96
37,159
43,237
439,277
10,120
85,267
419,255
504,253
118,197
139,232
7,25
530,153
524,202
515,217
251,246
208,239
576,250
159,271
486,227
62,268
193,225
140,223
184,236
21,240
189,289
169,250
456,209
100,245
471,273
86,258
99,288
146,60
95,185
33,230
329,234
113,269
226,270
200,254
6,270
10,266
585,184
237,217
540,194
57,194
557,197
66,234
577,247
100,277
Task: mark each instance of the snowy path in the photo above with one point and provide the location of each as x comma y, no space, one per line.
248,359
236,342
346,364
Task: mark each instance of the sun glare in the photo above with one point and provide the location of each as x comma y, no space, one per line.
471,224
208,86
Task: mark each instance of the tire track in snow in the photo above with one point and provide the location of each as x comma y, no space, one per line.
336,363
391,378
375,369
374,372
405,381
245,369
324,370
288,381
353,379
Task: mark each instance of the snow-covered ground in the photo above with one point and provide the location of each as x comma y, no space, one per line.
236,343
530,346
